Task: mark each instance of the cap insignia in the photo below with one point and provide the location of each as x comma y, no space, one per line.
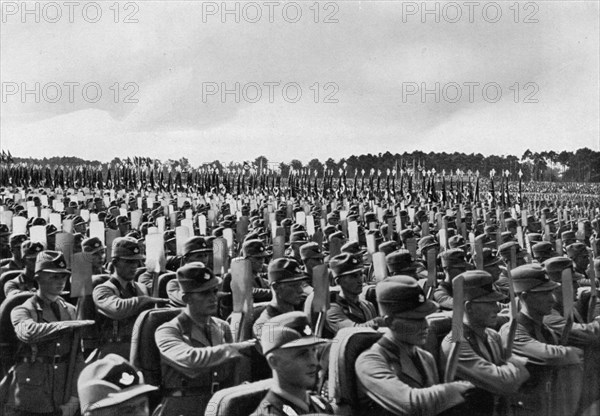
126,379
136,250
307,331
421,299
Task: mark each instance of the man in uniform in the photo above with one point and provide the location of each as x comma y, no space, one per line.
255,251
578,253
121,299
290,348
197,351
4,241
395,376
348,309
554,387
481,358
311,255
46,358
25,281
454,263
16,261
400,262
287,281
112,387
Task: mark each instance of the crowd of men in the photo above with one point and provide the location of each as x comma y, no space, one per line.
266,287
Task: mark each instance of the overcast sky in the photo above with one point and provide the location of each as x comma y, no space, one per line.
366,68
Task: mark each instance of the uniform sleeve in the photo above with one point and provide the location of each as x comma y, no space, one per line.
115,307
498,379
443,299
187,359
12,288
29,331
380,383
337,319
581,335
538,352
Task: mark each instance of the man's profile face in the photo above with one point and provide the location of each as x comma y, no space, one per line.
410,331
483,314
299,367
126,268
51,283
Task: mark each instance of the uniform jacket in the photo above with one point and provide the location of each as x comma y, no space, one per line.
389,381
485,368
19,285
443,296
343,314
192,365
546,392
269,312
39,385
275,405
260,293
121,312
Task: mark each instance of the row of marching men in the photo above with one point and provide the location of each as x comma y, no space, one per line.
524,369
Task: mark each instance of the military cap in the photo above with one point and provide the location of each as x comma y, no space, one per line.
226,224
254,248
4,229
457,241
490,229
218,232
568,235
370,217
425,243
478,287
285,269
555,266
196,277
352,217
576,249
505,248
310,251
51,229
109,381
420,216
288,330
92,245
51,262
377,233
352,247
337,234
402,296
453,257
328,230
400,261
510,222
31,248
531,278
543,249
297,227
169,236
534,237
506,237
134,234
299,237
196,245
333,215
489,259
122,219
253,235
388,247
78,220
345,264
17,239
38,221
126,248
406,234
286,222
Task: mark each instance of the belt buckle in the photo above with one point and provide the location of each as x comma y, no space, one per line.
214,387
